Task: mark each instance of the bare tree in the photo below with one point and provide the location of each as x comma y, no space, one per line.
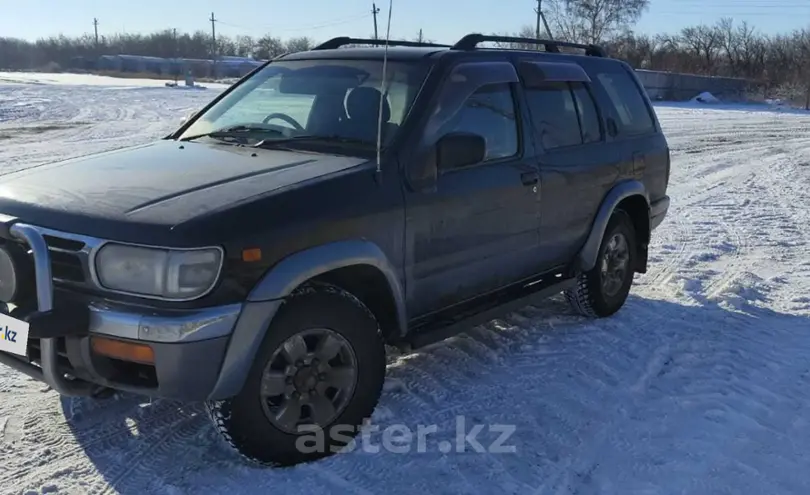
525,32
779,64
245,46
268,47
594,21
802,63
298,44
705,43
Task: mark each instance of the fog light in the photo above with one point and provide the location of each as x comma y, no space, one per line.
122,350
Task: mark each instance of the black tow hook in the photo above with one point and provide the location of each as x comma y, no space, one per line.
61,322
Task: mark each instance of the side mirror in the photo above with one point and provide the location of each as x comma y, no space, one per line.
460,149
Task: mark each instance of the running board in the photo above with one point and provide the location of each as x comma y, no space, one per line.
436,333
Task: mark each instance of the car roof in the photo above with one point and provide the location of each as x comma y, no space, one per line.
370,49
394,53
405,54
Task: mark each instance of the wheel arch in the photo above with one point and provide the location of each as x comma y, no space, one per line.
357,266
631,197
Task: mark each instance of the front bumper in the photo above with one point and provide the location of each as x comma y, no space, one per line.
189,346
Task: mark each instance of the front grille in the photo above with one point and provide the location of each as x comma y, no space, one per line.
35,352
66,261
70,257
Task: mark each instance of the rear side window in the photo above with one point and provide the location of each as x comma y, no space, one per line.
554,114
631,109
564,114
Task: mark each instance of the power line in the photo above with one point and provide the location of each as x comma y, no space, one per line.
738,7
733,15
746,3
273,29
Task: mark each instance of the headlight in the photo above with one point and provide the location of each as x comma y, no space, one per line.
166,273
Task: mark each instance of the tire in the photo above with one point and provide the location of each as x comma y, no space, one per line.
591,296
244,421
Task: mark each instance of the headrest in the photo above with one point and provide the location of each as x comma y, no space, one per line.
364,103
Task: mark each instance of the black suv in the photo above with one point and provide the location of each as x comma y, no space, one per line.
331,202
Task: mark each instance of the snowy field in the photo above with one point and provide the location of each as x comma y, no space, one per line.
700,385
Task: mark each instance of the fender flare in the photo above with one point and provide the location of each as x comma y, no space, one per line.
586,259
267,296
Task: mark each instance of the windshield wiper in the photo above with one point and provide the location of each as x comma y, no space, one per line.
322,139
237,131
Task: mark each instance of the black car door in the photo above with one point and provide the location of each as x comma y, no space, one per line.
477,229
575,171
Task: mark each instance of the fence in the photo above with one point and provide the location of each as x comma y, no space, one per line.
678,87
659,85
229,67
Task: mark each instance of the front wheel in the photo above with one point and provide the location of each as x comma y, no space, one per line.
316,378
603,290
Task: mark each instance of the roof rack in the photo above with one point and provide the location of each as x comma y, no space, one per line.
345,40
471,41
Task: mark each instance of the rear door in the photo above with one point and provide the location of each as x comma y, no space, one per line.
570,136
633,131
477,230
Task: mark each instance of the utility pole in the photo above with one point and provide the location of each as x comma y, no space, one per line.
374,12
213,44
95,28
176,56
421,38
541,16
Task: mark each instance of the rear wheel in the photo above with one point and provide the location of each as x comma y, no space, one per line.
603,290
316,378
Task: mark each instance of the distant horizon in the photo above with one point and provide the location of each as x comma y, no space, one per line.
321,19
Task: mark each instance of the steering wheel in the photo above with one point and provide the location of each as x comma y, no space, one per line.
286,118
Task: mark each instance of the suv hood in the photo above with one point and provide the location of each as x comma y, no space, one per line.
164,183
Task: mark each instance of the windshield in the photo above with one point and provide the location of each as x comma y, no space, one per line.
337,100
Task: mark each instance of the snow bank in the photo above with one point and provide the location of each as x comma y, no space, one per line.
706,97
183,86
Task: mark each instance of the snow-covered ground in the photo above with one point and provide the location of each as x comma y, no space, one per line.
701,384
40,78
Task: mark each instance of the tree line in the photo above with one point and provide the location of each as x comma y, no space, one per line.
17,54
777,64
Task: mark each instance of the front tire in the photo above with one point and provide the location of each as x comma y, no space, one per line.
316,378
603,290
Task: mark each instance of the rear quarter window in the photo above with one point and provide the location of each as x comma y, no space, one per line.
631,109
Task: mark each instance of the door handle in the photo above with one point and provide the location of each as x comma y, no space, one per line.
529,178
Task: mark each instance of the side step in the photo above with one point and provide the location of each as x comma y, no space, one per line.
536,293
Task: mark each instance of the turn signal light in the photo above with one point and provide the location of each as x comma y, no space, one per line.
124,351
251,255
